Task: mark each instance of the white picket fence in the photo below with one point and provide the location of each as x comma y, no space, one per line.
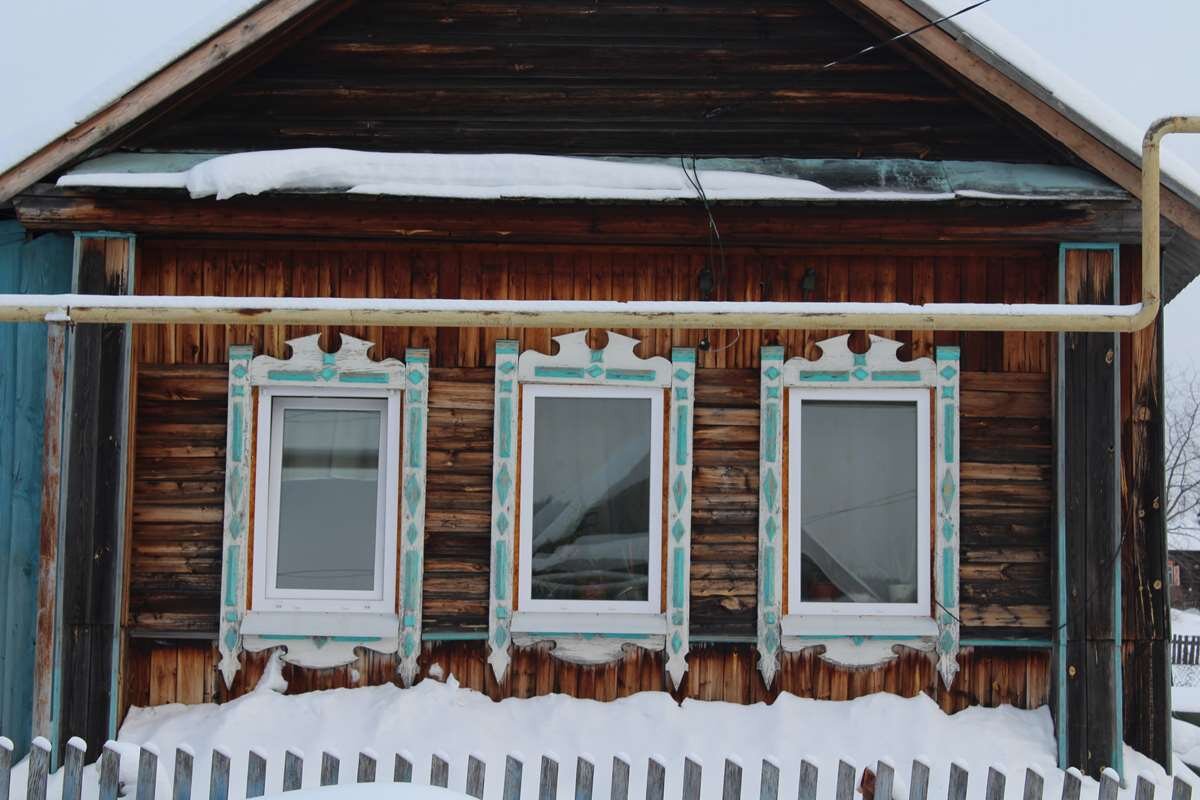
548,783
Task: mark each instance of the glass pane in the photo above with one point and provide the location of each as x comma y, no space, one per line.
328,499
858,502
591,498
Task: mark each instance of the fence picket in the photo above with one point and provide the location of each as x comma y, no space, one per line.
1144,790
1180,790
548,779
110,772
218,777
293,770
620,779
256,774
368,762
1072,783
693,773
147,774
6,751
476,772
181,779
403,770
1110,782
845,781
512,778
439,771
39,768
72,786
885,776
918,783
330,767
995,785
808,781
731,787
585,777
957,790
768,785
656,779
1034,785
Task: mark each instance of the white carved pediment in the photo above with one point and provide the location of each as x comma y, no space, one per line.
575,362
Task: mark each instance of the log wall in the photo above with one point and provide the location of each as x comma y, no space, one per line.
1006,448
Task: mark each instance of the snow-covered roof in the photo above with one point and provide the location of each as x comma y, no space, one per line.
510,176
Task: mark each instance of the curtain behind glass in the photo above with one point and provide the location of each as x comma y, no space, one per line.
591,498
328,499
858,502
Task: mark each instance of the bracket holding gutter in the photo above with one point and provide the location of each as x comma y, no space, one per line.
1031,317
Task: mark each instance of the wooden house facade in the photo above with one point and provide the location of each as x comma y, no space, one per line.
1020,469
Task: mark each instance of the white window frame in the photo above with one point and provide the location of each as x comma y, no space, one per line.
653,604
266,597
924,532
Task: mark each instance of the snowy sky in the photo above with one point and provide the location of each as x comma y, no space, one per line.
1140,57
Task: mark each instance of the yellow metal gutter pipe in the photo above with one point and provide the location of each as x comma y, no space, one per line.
638,314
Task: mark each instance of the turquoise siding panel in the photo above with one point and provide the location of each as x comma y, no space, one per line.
42,265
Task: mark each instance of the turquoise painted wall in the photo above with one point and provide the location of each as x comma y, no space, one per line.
26,267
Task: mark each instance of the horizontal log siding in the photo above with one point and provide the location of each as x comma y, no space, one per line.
1006,450
571,76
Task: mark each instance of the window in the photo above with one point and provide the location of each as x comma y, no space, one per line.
326,502
591,499
859,502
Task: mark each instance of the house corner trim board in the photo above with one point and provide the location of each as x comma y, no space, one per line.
351,369
862,643
595,640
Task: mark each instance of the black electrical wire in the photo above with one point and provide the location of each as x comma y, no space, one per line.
906,34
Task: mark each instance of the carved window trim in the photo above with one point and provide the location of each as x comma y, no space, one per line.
317,636
579,635
856,640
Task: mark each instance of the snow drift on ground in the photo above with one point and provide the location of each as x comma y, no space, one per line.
443,718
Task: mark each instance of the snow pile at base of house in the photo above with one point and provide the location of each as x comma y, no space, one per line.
470,176
455,723
1185,741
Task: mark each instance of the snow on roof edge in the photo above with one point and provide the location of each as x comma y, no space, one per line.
985,37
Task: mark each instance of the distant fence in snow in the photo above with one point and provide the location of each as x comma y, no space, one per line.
874,785
1185,650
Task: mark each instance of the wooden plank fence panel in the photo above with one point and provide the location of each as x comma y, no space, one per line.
768,787
476,773
256,775
512,779
731,786
548,779
330,767
403,771
1110,783
110,772
957,789
181,780
367,764
692,774
1035,784
39,768
1181,790
808,781
995,785
918,787
656,779
620,779
293,770
439,771
1145,789
218,777
72,787
585,778
885,776
147,774
845,781
1072,784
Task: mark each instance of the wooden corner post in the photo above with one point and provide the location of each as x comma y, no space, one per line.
1088,630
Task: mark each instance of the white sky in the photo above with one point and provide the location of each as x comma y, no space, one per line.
63,58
